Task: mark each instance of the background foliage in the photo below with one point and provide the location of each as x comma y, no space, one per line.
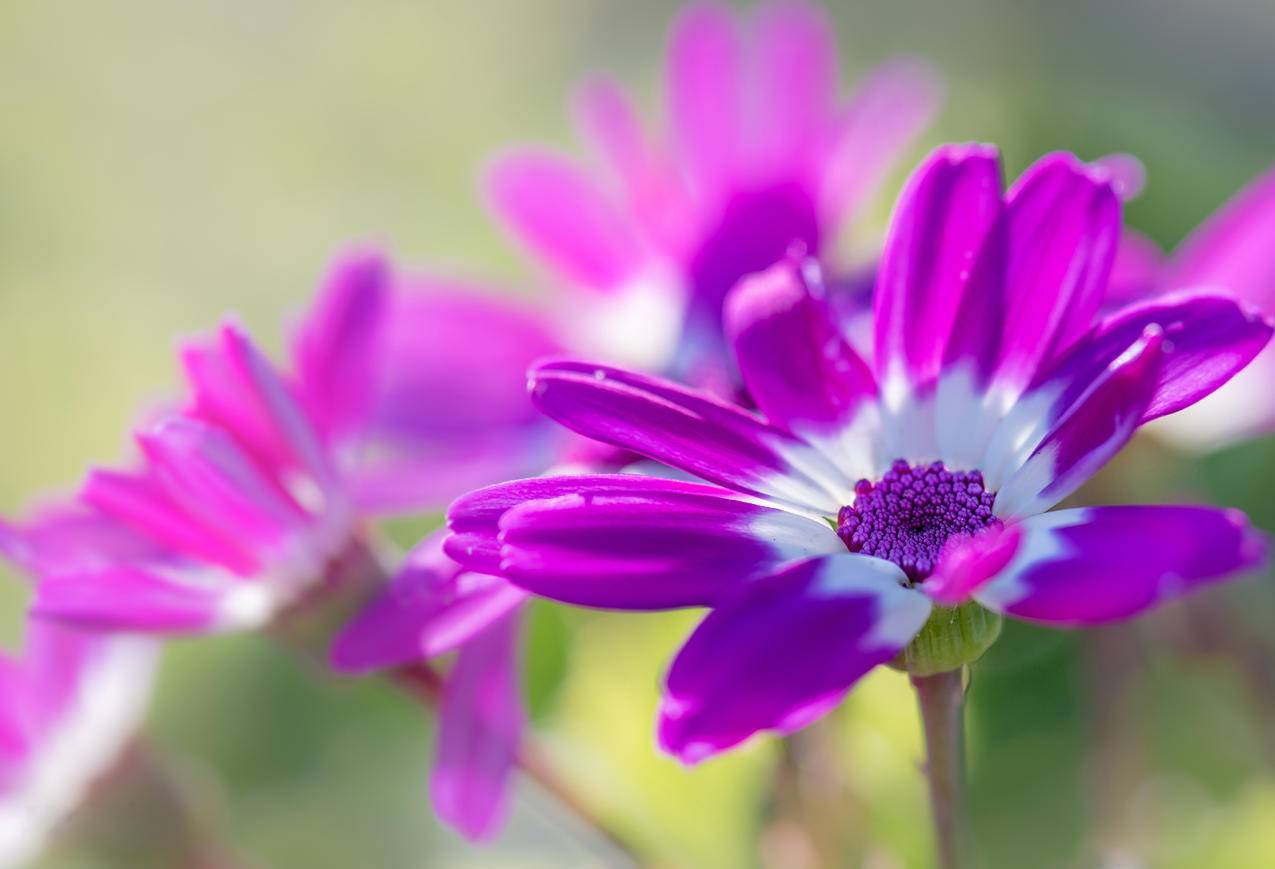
163,163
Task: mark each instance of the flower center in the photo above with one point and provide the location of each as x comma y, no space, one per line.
909,514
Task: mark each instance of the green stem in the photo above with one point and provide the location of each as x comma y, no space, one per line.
941,698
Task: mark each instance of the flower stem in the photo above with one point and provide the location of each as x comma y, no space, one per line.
423,682
941,698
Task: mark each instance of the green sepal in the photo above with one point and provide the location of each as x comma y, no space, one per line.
951,638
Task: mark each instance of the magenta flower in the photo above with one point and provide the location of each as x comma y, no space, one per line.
248,505
1228,253
759,153
69,703
865,493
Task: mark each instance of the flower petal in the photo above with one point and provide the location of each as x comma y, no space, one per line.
474,519
967,563
1137,271
333,350
784,650
142,504
1064,225
944,214
451,410
561,215
889,110
432,606
797,366
125,598
236,387
1231,250
795,53
1100,564
1095,428
1207,339
704,96
652,547
207,476
480,729
689,430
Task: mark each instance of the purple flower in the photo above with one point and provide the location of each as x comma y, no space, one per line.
1228,253
865,492
69,703
247,505
759,154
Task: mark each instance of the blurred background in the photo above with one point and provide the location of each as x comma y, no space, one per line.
163,163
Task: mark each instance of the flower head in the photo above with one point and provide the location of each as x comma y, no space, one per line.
864,493
247,504
759,154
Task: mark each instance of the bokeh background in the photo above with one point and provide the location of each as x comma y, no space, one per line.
163,163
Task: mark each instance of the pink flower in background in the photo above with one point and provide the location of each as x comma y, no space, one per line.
866,492
69,702
759,154
1230,252
249,502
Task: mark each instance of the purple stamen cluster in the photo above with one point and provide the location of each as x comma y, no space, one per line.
910,513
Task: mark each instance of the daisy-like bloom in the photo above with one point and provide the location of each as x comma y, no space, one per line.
69,702
759,153
831,524
248,506
1228,253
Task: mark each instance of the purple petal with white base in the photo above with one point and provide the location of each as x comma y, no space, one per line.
938,229
1095,429
474,519
1064,225
784,650
652,547
689,430
432,606
797,366
480,729
1100,564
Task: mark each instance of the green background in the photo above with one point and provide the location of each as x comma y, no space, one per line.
163,163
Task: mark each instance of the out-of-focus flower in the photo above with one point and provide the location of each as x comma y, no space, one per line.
759,154
1229,253
248,505
69,702
993,395
416,384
